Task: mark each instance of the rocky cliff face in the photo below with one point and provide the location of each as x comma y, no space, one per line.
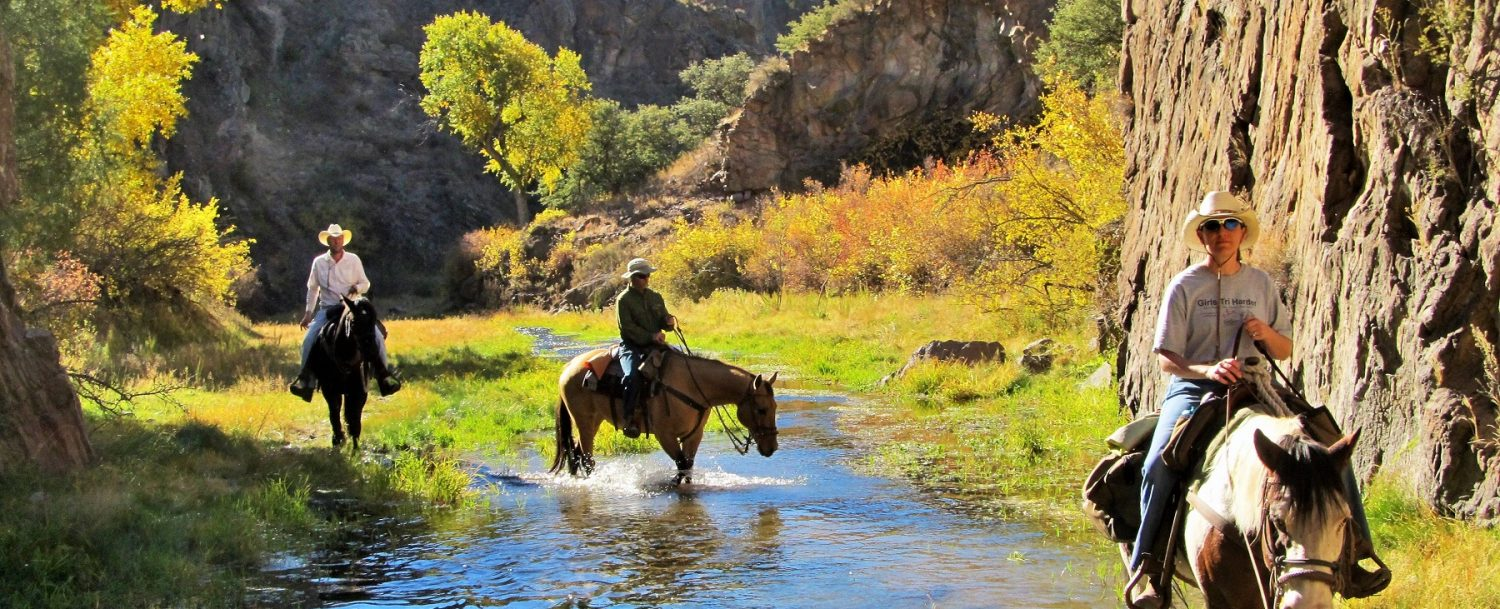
890,71
305,113
1375,169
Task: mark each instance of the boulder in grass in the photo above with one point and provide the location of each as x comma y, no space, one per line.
961,351
1037,357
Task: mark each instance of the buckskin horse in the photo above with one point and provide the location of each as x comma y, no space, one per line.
340,359
691,387
1269,520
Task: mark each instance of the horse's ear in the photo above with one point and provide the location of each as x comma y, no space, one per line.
1343,450
755,383
773,378
1270,453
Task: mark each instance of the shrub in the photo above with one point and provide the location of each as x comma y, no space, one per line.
812,24
719,80
1083,41
706,256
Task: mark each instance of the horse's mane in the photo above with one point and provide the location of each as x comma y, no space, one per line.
710,360
1313,486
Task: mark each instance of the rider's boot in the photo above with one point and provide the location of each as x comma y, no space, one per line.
387,379
631,430
304,386
1140,591
1364,582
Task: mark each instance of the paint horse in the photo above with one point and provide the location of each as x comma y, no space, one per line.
1269,521
690,388
342,359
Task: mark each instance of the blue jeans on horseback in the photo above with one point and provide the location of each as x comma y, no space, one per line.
631,357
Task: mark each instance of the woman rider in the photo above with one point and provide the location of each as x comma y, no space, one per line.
1203,309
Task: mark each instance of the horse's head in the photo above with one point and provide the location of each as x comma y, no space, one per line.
757,412
1306,519
360,323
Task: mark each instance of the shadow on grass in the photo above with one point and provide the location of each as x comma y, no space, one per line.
464,362
180,515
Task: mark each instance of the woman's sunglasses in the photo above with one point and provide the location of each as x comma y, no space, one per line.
1213,226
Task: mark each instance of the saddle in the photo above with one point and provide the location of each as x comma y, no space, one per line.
603,374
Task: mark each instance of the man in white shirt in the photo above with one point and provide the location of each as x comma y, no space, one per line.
335,274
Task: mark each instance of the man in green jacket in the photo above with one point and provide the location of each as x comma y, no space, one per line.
644,321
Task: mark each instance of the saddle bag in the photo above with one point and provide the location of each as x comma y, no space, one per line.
1112,492
1112,495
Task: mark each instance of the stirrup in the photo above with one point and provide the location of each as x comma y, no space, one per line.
390,383
1150,597
303,388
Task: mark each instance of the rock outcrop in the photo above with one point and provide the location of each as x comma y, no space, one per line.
1369,144
306,113
882,75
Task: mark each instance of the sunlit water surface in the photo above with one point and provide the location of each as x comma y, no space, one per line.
799,529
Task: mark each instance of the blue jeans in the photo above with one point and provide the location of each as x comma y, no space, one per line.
630,361
1158,480
320,319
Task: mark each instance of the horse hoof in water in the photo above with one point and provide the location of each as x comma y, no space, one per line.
682,478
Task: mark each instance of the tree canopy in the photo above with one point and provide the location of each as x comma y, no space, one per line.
504,97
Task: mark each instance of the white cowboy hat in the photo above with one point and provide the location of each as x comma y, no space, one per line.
638,266
1220,205
335,230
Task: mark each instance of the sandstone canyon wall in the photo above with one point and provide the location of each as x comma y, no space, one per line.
889,71
305,113
1369,143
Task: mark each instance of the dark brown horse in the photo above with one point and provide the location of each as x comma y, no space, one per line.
341,360
1269,520
691,387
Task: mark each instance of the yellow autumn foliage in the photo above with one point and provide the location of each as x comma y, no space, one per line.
1026,223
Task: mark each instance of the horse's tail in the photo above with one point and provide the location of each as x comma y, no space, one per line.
567,449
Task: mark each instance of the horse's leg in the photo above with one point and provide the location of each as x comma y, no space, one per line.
1223,567
588,420
354,408
673,448
690,452
334,400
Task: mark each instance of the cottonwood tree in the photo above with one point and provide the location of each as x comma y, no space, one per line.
41,421
504,97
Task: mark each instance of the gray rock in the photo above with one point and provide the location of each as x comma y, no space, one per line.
1099,378
967,352
1038,356
880,76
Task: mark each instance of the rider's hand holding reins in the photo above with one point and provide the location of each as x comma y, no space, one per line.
306,320
1226,371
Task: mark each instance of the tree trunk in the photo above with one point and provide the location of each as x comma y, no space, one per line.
41,421
523,209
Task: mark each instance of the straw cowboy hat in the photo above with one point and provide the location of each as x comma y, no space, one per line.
1220,205
639,266
335,230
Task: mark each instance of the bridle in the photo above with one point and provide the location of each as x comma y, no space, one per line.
742,440
1278,569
